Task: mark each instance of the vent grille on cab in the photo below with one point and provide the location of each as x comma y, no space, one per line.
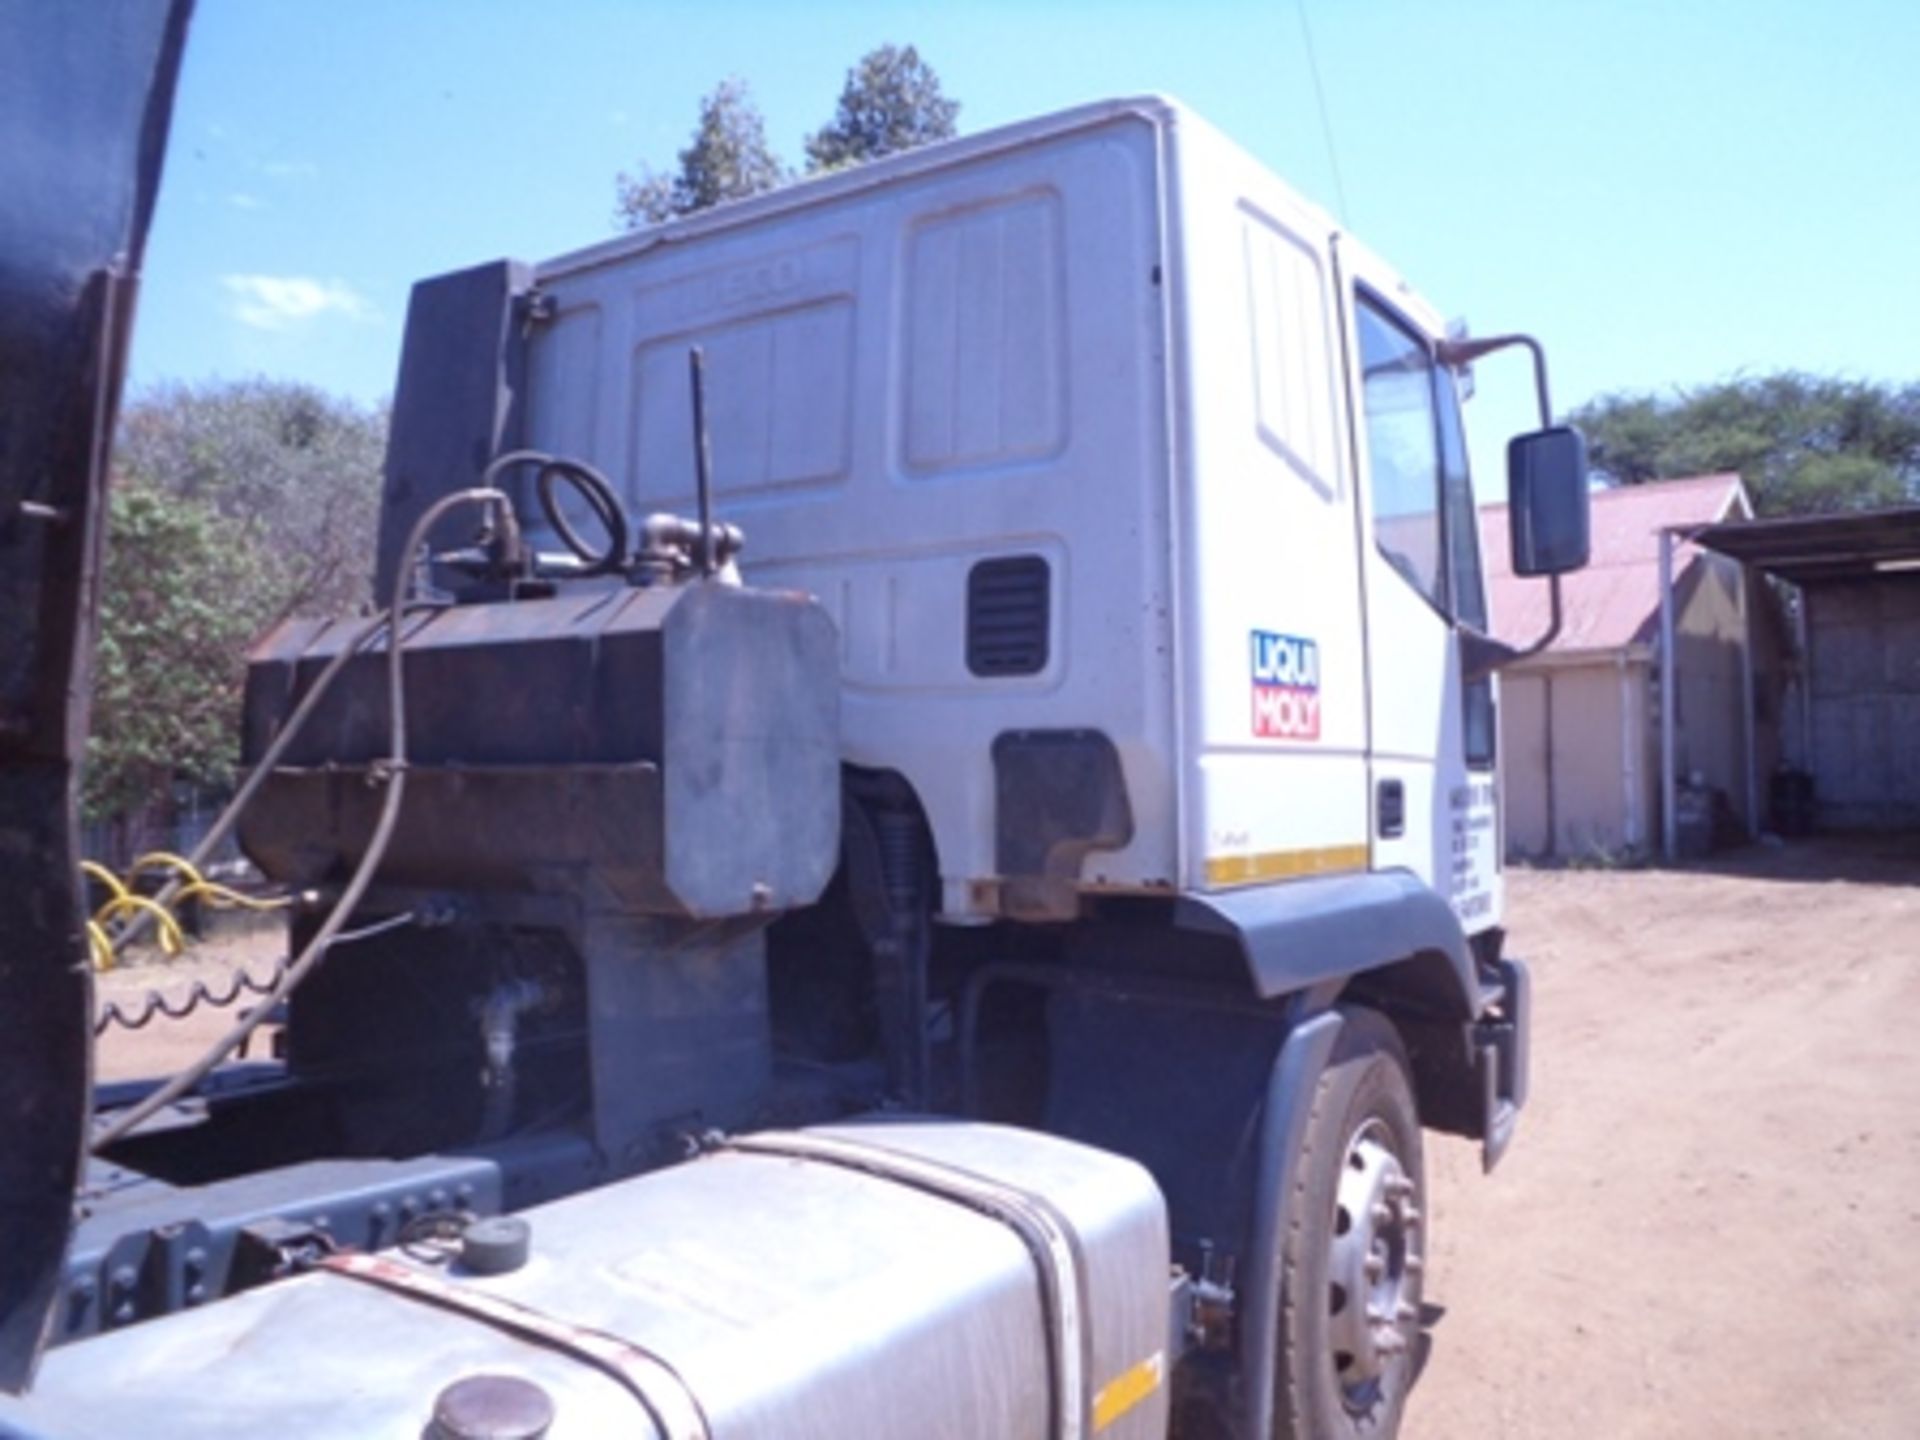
1009,601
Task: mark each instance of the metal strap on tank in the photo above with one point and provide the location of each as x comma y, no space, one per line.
652,1381
1047,1236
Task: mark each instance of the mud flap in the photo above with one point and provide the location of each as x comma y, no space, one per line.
1501,1046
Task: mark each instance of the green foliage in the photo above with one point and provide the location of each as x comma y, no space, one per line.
1803,444
728,159
182,595
234,505
296,469
891,102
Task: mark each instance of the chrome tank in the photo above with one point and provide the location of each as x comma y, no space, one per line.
795,1297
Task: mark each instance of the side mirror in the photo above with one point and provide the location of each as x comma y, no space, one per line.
1547,502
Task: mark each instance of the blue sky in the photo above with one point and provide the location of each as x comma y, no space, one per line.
1666,191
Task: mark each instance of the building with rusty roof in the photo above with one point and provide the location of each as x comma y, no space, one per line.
1579,726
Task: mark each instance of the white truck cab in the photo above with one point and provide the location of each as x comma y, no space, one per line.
1089,426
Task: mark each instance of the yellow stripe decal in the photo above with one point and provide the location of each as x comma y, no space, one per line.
1284,864
1128,1389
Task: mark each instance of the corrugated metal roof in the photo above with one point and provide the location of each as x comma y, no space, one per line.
1809,548
1615,601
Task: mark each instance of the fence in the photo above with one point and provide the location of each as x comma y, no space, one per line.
117,843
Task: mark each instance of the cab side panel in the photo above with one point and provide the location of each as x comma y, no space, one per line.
1276,711
938,405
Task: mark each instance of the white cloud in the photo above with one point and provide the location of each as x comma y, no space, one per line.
284,169
280,302
240,200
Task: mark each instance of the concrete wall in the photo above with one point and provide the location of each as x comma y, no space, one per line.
1863,657
1576,769
1524,752
1710,733
1776,674
1642,769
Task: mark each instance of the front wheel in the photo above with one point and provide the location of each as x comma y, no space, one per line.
1353,1246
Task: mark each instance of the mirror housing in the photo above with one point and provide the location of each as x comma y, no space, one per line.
1548,509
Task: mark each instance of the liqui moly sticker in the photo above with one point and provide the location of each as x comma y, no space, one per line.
1286,687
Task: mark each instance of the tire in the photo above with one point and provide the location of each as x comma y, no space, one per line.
1353,1247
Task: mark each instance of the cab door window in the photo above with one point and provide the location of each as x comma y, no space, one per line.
1423,513
1403,437
1465,589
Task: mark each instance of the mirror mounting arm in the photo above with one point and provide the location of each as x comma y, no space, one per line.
1458,353
1481,654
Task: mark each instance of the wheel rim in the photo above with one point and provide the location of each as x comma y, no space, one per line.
1375,1264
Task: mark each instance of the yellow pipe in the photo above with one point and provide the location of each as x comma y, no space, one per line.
172,939
95,870
166,860
221,896
99,945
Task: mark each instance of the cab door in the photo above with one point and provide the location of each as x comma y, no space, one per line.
1432,734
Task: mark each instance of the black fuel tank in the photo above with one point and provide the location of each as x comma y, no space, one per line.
678,745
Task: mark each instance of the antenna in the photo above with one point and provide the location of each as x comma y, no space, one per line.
702,455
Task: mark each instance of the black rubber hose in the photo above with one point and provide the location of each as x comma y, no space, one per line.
592,487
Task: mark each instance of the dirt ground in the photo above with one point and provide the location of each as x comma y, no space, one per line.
1709,1225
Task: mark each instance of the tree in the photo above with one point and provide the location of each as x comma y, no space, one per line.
295,470
1803,444
182,595
728,159
891,102
234,505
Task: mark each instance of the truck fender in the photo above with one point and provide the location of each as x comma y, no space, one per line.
1283,1127
1384,939
1301,933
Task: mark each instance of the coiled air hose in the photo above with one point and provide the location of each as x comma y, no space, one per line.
592,487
